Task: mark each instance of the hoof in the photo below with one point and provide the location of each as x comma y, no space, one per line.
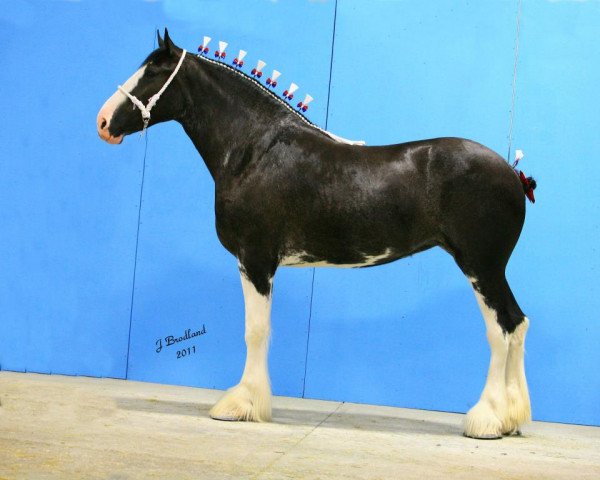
519,411
482,422
486,436
226,418
243,404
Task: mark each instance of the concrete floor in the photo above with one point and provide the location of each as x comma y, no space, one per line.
75,427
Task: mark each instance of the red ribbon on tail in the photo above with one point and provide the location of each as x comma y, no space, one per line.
528,183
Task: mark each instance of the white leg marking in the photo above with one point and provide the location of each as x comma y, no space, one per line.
519,406
251,398
486,419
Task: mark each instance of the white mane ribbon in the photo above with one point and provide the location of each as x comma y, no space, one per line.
145,109
345,140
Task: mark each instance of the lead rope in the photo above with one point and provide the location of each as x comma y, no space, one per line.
145,109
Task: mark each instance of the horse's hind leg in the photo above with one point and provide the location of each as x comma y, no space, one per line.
481,218
519,407
504,403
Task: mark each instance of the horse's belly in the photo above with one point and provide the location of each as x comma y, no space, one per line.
304,259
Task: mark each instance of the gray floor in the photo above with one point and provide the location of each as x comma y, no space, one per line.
75,427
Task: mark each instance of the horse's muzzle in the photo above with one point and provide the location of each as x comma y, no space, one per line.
102,124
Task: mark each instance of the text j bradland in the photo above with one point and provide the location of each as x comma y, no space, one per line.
173,340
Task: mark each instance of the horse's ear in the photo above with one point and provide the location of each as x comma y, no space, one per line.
161,42
169,45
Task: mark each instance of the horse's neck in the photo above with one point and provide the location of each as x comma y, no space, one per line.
223,116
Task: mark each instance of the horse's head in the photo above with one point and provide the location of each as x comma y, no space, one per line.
120,116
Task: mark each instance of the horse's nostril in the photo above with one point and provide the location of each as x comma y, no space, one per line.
103,124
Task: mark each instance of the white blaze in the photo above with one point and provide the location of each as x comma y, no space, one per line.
119,97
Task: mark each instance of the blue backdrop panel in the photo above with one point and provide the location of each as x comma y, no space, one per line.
405,334
185,278
410,333
68,202
557,120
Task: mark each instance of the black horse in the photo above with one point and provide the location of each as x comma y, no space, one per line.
290,194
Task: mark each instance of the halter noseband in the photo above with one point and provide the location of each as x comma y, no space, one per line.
145,110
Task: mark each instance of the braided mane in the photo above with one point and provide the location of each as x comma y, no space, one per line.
264,89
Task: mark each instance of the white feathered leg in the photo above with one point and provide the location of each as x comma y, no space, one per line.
487,418
519,407
250,400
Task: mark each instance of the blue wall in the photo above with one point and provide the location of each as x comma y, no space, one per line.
106,249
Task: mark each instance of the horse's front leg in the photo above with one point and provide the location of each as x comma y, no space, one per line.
250,400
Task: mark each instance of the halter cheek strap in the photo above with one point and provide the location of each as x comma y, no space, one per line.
145,109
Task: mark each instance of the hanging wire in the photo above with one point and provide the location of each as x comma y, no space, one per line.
514,82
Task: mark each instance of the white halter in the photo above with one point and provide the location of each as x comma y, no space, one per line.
145,110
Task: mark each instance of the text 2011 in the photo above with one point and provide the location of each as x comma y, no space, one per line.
184,352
